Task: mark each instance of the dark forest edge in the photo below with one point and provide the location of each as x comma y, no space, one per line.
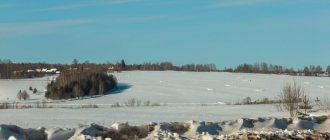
10,70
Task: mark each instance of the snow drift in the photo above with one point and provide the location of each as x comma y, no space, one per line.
282,128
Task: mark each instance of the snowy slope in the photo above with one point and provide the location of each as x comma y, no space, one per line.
183,96
10,88
204,87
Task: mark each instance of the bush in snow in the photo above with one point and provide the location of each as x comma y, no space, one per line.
5,106
23,95
130,102
146,103
115,105
179,128
290,98
35,90
90,106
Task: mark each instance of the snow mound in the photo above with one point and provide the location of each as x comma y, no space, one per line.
250,128
59,133
245,128
15,132
209,89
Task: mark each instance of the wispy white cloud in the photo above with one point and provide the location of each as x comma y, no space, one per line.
238,3
138,19
234,3
87,4
48,27
17,29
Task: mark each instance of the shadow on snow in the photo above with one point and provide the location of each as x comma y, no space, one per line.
121,87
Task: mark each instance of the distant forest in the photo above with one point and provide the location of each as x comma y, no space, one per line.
10,70
265,68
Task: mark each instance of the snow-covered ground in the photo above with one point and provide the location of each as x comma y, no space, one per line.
183,96
316,127
10,87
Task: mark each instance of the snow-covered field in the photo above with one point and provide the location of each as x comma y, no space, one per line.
183,96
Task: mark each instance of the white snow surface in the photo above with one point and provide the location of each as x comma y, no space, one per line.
183,96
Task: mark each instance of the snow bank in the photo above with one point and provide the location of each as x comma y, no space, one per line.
280,128
15,132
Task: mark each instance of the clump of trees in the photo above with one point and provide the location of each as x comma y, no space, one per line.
263,67
76,84
23,95
312,70
34,90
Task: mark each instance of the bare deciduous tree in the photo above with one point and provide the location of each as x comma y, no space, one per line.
25,95
19,95
131,102
101,88
146,103
289,98
77,91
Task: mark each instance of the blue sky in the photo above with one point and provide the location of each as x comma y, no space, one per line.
293,33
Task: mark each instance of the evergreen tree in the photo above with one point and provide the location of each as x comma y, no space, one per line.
75,62
35,90
328,69
123,65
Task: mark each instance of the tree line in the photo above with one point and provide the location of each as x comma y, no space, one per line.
263,67
10,70
164,66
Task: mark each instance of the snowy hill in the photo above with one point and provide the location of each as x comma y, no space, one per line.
181,96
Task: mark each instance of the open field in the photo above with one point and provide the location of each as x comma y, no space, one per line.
182,96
